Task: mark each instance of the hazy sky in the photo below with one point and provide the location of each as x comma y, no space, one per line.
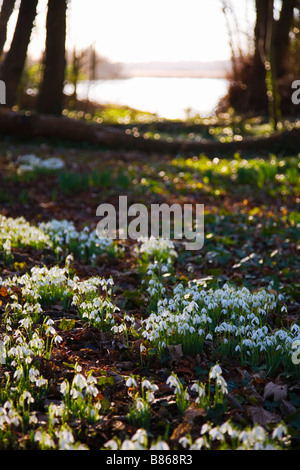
141,31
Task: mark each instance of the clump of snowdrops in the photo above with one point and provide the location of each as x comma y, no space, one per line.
85,245
205,397
32,163
60,236
233,320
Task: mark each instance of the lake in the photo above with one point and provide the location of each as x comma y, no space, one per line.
168,97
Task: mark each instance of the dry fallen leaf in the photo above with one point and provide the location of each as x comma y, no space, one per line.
287,408
261,416
182,430
4,292
278,392
192,413
125,365
175,352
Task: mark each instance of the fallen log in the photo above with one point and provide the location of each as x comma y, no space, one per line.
31,125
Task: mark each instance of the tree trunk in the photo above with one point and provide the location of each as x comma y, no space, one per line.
13,65
282,36
6,11
50,100
258,89
271,70
52,127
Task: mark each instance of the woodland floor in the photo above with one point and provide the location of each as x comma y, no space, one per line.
252,238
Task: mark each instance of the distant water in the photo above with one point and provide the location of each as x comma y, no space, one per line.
168,97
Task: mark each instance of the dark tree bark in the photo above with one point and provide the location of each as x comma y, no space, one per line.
45,126
13,65
50,100
282,36
6,11
271,69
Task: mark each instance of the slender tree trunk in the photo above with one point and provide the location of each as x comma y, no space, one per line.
50,100
6,11
271,69
282,36
75,75
13,65
258,91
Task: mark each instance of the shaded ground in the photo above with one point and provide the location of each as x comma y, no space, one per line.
252,238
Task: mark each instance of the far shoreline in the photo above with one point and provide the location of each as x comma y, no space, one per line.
175,74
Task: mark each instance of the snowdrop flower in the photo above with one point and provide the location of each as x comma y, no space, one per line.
66,439
128,445
215,372
112,445
69,261
279,432
216,434
64,387
79,381
205,428
75,394
26,396
131,382
160,445
199,444
44,439
140,405
40,382
195,387
25,322
221,382
141,437
146,384
50,331
174,382
58,339
91,389
185,442
226,428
